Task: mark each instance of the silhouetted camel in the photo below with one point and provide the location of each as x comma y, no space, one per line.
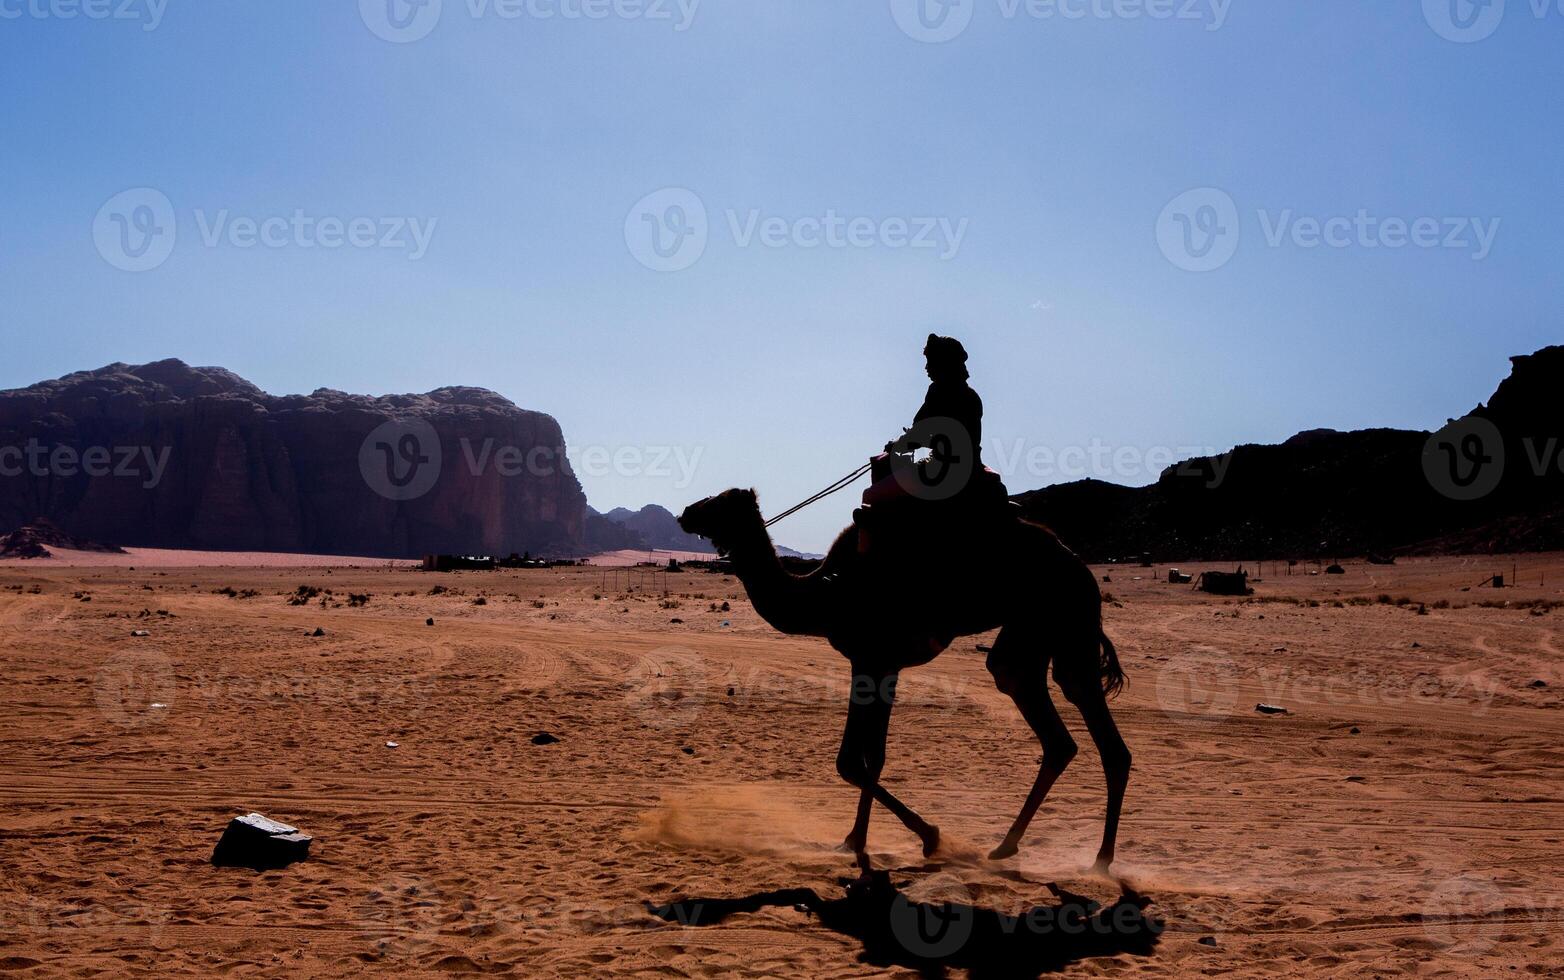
901,606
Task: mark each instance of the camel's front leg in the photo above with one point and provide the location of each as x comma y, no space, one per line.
862,759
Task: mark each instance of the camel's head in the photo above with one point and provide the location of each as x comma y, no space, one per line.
717,518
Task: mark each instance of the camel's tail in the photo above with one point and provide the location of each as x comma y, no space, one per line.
1108,667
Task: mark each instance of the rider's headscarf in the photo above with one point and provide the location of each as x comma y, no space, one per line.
947,358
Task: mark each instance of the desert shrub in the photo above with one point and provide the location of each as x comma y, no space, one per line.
303,595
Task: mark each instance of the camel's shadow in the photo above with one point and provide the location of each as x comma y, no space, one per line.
934,938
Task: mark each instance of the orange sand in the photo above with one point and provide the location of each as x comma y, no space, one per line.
1428,844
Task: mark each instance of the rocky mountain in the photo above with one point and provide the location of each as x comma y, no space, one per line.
658,528
36,538
651,527
168,455
1489,481
648,528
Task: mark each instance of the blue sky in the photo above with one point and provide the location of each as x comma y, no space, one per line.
1332,135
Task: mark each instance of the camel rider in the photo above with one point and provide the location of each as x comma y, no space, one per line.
949,400
950,426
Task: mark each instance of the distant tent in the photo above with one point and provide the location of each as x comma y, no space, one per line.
1225,583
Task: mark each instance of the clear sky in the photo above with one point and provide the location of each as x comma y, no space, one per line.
1043,150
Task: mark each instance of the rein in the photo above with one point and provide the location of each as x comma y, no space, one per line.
841,484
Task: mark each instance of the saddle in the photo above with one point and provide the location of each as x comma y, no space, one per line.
905,509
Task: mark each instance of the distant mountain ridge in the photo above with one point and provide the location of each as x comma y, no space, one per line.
173,456
651,527
1324,493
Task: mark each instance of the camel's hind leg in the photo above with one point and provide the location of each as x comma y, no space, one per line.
862,759
1022,673
1087,695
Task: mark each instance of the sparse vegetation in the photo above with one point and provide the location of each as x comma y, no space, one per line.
303,595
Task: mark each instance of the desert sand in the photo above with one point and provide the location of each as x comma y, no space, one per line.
1404,817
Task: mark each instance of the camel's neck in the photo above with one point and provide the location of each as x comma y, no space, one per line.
788,602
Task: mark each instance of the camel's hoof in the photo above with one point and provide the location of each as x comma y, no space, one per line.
852,845
930,841
1100,867
1003,851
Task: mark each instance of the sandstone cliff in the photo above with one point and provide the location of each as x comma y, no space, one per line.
167,455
